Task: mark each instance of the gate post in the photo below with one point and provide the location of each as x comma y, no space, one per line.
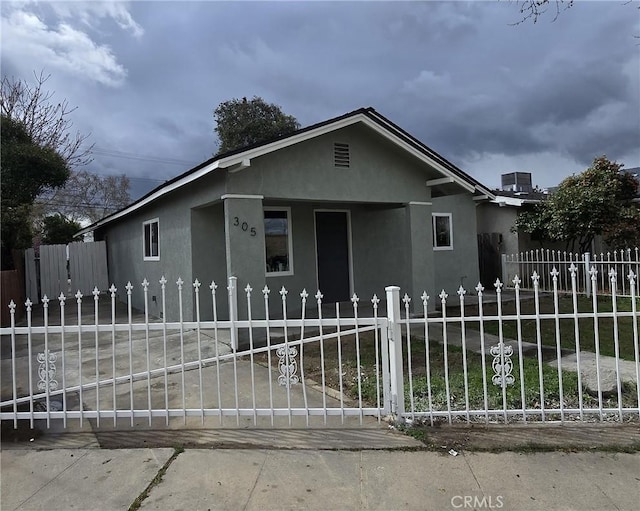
233,310
587,276
395,351
503,264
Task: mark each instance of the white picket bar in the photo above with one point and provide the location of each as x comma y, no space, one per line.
442,363
138,359
542,261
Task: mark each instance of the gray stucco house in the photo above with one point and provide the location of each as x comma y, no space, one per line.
352,204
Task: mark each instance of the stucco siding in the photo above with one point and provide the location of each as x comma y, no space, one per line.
125,248
493,218
379,172
208,259
458,266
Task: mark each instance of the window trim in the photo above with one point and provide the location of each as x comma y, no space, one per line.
433,230
145,257
289,272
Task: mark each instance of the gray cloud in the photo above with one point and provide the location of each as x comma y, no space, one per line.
456,75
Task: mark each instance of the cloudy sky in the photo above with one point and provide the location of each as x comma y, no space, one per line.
488,95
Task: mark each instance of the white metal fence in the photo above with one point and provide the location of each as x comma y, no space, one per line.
543,261
102,363
477,357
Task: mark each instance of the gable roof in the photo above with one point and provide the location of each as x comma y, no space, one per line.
241,158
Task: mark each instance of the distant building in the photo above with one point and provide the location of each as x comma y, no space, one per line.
517,182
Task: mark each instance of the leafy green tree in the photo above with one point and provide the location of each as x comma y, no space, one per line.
26,170
599,201
241,123
57,229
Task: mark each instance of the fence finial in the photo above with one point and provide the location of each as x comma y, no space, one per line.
248,290
479,288
613,275
163,281
443,296
62,298
319,296
516,281
631,276
375,301
304,295
266,291
461,292
425,298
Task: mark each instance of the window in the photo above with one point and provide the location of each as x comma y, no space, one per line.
341,155
151,237
442,231
277,240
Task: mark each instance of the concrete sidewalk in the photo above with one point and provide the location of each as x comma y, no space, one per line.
257,479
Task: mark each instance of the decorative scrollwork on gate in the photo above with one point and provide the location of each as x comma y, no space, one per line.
502,364
42,370
287,365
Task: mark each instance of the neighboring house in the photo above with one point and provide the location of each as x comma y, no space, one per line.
347,205
499,216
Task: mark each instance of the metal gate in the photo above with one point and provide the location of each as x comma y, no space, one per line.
489,356
134,370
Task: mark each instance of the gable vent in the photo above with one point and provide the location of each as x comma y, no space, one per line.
341,155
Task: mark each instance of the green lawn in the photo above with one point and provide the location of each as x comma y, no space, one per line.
586,326
346,375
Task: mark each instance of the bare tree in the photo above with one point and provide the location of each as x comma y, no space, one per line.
86,196
533,9
46,122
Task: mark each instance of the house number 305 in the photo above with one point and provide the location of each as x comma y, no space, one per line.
244,226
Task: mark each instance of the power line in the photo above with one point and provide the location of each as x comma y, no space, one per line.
140,157
130,178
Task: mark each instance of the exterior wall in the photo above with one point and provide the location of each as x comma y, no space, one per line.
208,258
245,249
384,190
379,250
379,172
379,245
458,266
493,218
125,248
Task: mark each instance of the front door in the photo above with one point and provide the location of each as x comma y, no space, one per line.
332,245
